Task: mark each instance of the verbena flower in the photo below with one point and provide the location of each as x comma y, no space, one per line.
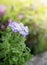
19,27
2,10
14,26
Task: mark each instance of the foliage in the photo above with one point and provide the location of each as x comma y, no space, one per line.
13,50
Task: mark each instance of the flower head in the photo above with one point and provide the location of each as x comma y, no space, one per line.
2,10
19,27
20,16
14,26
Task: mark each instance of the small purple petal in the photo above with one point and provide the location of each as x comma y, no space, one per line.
20,16
22,26
23,33
26,29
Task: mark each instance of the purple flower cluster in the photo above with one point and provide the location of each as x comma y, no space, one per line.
19,27
2,10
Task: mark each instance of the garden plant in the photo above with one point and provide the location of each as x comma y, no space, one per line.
23,30
13,50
